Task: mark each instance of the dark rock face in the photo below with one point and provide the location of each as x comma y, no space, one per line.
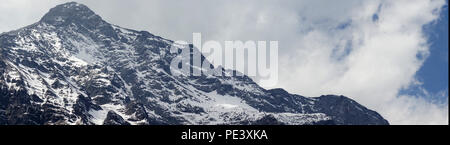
72,13
267,120
72,67
114,119
347,111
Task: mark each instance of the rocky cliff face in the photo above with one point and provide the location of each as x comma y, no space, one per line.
72,67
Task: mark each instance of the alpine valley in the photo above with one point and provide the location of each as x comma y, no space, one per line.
72,67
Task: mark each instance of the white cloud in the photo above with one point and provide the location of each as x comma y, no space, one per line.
415,110
365,60
383,61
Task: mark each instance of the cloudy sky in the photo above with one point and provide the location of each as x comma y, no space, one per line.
391,56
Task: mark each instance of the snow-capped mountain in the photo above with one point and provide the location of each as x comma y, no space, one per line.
72,67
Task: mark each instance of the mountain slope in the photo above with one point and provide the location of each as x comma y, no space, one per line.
72,67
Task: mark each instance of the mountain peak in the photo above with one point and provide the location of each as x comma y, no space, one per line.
72,67
71,12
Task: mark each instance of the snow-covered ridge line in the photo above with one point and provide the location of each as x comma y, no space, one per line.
91,72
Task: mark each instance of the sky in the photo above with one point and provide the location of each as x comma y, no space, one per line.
390,56
434,72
